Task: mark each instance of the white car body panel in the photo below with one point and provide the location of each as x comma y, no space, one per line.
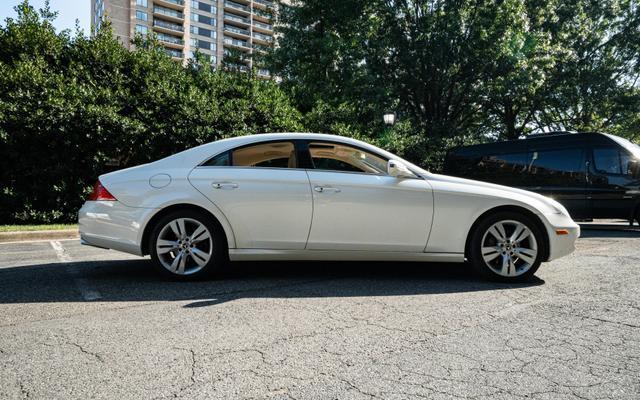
283,217
280,216
370,212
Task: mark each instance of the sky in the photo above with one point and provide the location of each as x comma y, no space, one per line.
68,12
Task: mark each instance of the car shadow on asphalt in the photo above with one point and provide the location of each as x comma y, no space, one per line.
135,280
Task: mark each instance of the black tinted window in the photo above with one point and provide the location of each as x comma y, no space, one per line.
221,160
610,160
556,167
505,169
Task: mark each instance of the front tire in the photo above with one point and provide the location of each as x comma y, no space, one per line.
507,246
187,245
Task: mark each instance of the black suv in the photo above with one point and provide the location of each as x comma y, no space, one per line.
594,175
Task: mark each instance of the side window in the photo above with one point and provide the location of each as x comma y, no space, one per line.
557,167
339,157
610,160
505,169
265,155
221,160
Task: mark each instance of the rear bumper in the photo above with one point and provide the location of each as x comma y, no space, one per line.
563,244
112,225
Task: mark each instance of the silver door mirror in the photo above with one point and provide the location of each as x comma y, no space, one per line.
399,169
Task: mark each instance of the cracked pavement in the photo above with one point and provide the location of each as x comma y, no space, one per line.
318,330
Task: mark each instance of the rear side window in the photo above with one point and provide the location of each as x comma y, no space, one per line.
263,155
221,160
610,160
505,169
557,167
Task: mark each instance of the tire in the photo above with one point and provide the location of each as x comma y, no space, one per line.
507,246
188,245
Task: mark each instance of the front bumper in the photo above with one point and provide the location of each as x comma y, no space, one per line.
563,244
112,225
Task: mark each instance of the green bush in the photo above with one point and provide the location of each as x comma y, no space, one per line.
72,105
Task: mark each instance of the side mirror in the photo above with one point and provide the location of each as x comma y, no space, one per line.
399,169
633,169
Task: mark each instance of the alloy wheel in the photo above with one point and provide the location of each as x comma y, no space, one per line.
509,248
184,246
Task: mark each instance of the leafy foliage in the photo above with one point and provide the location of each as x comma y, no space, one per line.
460,71
70,105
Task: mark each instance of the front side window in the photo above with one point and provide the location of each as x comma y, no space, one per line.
610,160
339,157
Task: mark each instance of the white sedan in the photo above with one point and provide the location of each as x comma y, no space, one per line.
300,196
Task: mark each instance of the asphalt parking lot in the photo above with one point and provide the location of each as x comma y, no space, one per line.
79,323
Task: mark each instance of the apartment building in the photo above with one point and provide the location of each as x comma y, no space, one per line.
217,28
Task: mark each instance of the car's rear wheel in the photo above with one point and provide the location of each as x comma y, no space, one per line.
507,246
187,245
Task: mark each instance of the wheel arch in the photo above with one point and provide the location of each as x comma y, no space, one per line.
509,208
144,244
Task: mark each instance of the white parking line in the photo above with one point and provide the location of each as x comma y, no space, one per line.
36,241
81,283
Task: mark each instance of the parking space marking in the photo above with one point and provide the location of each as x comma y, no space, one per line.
82,284
36,241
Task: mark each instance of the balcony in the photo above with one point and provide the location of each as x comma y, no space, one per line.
175,4
263,26
170,40
262,14
260,48
265,3
172,15
163,25
237,18
236,31
261,37
236,6
238,67
174,53
236,43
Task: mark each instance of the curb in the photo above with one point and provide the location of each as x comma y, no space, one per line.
38,235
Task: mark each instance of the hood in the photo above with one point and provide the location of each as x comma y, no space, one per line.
549,205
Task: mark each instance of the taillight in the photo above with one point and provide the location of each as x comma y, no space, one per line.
100,193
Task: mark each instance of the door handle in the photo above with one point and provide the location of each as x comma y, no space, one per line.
224,185
321,189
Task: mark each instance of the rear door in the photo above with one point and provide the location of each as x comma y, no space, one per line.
560,173
263,194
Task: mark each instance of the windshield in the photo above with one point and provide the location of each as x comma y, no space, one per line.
628,145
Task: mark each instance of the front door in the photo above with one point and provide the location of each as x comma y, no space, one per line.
357,206
613,189
266,199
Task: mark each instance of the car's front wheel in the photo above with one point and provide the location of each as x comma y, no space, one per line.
507,246
187,245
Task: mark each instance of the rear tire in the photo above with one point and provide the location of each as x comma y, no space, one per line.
188,245
507,246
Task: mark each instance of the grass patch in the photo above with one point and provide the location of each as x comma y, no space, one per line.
51,227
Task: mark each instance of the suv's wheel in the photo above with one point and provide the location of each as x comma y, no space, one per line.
187,245
507,246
